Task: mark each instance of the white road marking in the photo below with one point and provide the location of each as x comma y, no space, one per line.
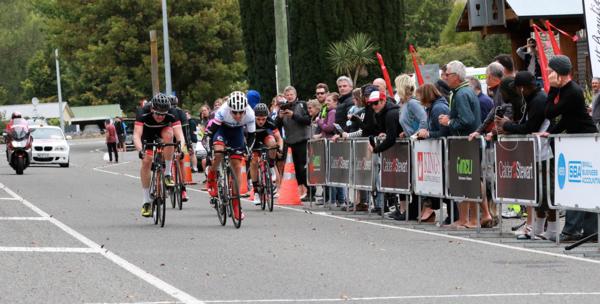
457,296
160,302
50,249
135,270
7,199
24,218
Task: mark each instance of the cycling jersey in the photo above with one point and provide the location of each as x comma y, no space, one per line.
229,132
268,129
184,125
152,128
223,117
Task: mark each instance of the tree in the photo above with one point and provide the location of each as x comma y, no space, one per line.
352,55
105,53
425,19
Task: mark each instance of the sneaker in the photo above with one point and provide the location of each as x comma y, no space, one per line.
396,215
510,213
146,210
213,202
256,200
362,207
184,197
169,181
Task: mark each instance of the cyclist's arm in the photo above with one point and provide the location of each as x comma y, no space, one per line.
278,138
138,130
178,132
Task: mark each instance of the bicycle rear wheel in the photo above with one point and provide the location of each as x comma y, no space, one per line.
154,195
268,189
261,186
163,203
234,199
178,187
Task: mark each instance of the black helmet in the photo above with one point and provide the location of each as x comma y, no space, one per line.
161,103
261,110
174,100
16,115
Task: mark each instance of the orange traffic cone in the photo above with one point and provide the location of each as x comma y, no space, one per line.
243,180
288,191
187,170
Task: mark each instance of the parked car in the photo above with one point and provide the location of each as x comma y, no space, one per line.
50,146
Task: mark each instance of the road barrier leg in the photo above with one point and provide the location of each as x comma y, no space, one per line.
441,219
419,212
478,218
452,202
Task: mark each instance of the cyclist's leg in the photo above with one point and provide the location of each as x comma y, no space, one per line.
145,178
218,145
167,136
236,142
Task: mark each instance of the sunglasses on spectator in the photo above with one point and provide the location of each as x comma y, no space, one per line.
162,114
238,112
321,93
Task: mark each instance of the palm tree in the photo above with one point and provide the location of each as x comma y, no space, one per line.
352,55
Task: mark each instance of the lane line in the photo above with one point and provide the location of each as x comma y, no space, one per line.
7,199
458,296
29,218
50,249
133,269
159,302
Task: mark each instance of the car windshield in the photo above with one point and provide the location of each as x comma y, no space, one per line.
49,133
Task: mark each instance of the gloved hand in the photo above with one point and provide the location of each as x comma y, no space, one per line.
141,154
184,149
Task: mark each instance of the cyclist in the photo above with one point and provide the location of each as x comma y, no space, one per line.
155,120
227,129
186,134
267,134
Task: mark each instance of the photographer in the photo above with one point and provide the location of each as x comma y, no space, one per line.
293,117
528,53
533,121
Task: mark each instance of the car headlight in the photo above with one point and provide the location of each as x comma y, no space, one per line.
60,148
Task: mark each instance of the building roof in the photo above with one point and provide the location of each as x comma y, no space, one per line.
100,112
545,8
46,110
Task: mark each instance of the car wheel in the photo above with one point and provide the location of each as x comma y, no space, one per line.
64,165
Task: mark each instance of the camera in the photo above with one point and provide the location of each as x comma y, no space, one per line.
499,111
285,105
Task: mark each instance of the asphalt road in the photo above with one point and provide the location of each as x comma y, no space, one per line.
74,235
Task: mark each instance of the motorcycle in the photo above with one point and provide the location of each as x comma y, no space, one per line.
18,145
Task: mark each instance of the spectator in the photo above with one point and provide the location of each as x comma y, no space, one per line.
532,122
412,113
380,83
485,102
596,101
443,88
435,105
121,129
204,116
507,62
253,97
193,129
345,86
528,53
463,119
326,125
574,119
321,92
356,112
494,74
111,140
314,111
293,117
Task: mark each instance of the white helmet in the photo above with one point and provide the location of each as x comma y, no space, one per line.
237,101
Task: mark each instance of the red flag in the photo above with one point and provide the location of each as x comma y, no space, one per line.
542,58
386,76
550,34
414,55
550,25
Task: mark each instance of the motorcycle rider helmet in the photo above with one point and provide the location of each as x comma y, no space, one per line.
237,101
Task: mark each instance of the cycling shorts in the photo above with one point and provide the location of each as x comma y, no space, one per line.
230,137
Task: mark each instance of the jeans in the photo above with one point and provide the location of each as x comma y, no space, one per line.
337,194
580,222
112,147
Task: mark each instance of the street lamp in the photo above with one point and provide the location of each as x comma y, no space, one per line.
60,111
169,89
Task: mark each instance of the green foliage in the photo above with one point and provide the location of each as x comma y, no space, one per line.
466,53
352,55
492,46
425,20
41,77
449,34
313,26
21,36
3,95
105,50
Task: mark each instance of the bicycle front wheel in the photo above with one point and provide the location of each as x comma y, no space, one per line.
234,198
268,189
221,200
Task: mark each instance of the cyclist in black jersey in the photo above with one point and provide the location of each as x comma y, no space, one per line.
155,120
186,134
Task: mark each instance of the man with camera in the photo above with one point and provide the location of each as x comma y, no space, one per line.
528,53
293,117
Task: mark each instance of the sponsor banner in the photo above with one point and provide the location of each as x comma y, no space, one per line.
427,168
395,168
464,168
516,170
339,162
577,172
363,165
591,10
317,163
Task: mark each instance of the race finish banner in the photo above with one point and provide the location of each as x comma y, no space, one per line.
516,170
339,163
395,168
464,174
317,162
362,164
427,173
577,172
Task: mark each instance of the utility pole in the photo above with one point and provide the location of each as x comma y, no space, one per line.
169,88
60,107
282,59
154,63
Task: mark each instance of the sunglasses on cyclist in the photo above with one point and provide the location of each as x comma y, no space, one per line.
238,112
162,114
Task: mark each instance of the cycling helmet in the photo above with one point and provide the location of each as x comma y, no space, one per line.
174,100
161,102
237,101
16,115
261,110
